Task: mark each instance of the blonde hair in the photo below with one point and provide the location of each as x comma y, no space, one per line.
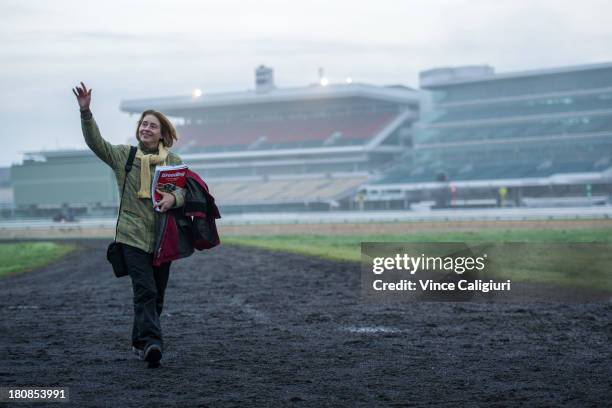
168,131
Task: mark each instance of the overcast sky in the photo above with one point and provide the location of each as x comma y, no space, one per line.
134,49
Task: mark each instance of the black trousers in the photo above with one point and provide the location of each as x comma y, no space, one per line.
149,286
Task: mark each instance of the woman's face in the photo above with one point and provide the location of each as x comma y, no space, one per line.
150,131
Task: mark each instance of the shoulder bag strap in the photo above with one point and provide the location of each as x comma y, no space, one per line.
128,167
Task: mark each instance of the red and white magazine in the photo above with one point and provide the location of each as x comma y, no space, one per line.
168,179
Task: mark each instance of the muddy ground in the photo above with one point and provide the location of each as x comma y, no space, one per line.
249,327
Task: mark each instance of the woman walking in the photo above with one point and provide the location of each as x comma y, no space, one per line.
136,227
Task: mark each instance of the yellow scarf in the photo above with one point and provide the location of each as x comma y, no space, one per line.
146,160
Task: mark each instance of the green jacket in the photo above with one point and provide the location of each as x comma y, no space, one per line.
137,218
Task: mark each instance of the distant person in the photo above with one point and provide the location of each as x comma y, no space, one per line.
136,228
502,193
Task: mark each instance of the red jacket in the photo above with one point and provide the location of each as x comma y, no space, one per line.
181,230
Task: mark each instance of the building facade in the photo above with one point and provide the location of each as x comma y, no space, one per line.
519,139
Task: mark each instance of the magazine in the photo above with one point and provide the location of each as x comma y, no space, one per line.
167,179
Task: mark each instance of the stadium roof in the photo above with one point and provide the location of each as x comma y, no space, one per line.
510,75
314,92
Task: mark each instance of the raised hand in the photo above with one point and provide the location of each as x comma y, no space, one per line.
83,96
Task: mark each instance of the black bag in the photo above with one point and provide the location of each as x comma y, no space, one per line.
114,253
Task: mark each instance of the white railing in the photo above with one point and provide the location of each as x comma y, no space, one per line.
357,217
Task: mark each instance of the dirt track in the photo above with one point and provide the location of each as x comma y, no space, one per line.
248,327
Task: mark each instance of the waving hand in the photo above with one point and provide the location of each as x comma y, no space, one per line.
83,96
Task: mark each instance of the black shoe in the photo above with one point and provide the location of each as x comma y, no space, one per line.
152,354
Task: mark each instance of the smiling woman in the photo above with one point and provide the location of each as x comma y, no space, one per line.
154,127
136,224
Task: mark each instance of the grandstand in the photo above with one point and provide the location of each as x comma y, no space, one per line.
305,148
63,182
535,138
266,149
6,192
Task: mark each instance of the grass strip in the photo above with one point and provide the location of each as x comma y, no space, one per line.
543,268
25,256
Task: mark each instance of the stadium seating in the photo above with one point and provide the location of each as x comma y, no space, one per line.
289,133
286,190
525,108
544,127
474,171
